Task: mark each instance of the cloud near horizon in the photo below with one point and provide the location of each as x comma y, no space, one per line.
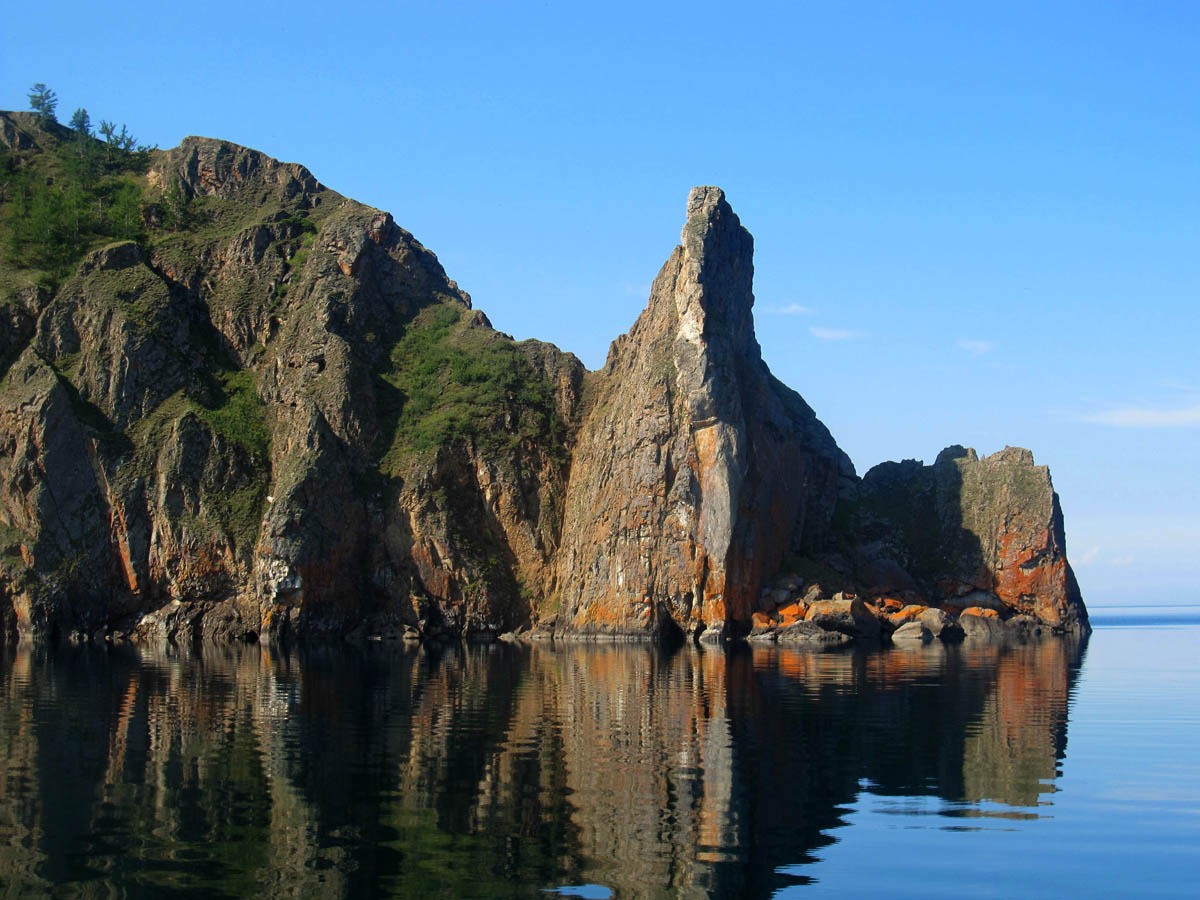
974,347
1142,417
791,309
833,334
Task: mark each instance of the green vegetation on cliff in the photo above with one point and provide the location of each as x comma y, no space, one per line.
452,379
68,194
238,414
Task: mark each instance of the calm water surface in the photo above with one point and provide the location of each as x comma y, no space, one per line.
1047,770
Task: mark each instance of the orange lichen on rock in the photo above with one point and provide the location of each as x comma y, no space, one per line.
611,615
981,612
794,610
906,614
1032,575
761,620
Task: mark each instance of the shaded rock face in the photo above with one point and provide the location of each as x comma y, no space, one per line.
969,532
201,419
53,505
695,470
276,415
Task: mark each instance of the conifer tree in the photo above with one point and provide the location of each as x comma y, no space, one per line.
44,102
82,122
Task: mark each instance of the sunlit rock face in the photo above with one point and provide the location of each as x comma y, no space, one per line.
274,415
968,532
201,435
695,470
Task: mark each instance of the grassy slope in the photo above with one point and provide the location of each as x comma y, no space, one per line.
450,381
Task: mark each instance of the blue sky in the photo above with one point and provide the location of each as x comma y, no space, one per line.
975,223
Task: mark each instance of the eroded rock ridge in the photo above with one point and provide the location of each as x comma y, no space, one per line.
272,413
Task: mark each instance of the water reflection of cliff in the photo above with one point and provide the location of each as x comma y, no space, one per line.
496,771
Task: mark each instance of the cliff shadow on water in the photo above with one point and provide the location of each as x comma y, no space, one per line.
501,770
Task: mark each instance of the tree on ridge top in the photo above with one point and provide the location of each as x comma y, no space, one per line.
44,102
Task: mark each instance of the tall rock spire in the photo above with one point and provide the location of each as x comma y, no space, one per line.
695,470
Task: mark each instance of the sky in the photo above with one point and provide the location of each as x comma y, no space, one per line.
975,223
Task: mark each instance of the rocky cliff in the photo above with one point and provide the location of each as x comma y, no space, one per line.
695,471
967,532
235,403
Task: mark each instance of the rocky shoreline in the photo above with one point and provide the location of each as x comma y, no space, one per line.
802,619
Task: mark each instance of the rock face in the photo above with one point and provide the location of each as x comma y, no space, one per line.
695,470
272,413
229,414
968,532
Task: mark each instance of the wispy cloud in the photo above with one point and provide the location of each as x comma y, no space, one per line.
1095,557
833,334
636,290
1178,384
974,347
1144,417
791,309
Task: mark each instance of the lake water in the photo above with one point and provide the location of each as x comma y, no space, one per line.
1048,770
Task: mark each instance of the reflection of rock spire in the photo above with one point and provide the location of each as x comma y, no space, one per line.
697,773
648,764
